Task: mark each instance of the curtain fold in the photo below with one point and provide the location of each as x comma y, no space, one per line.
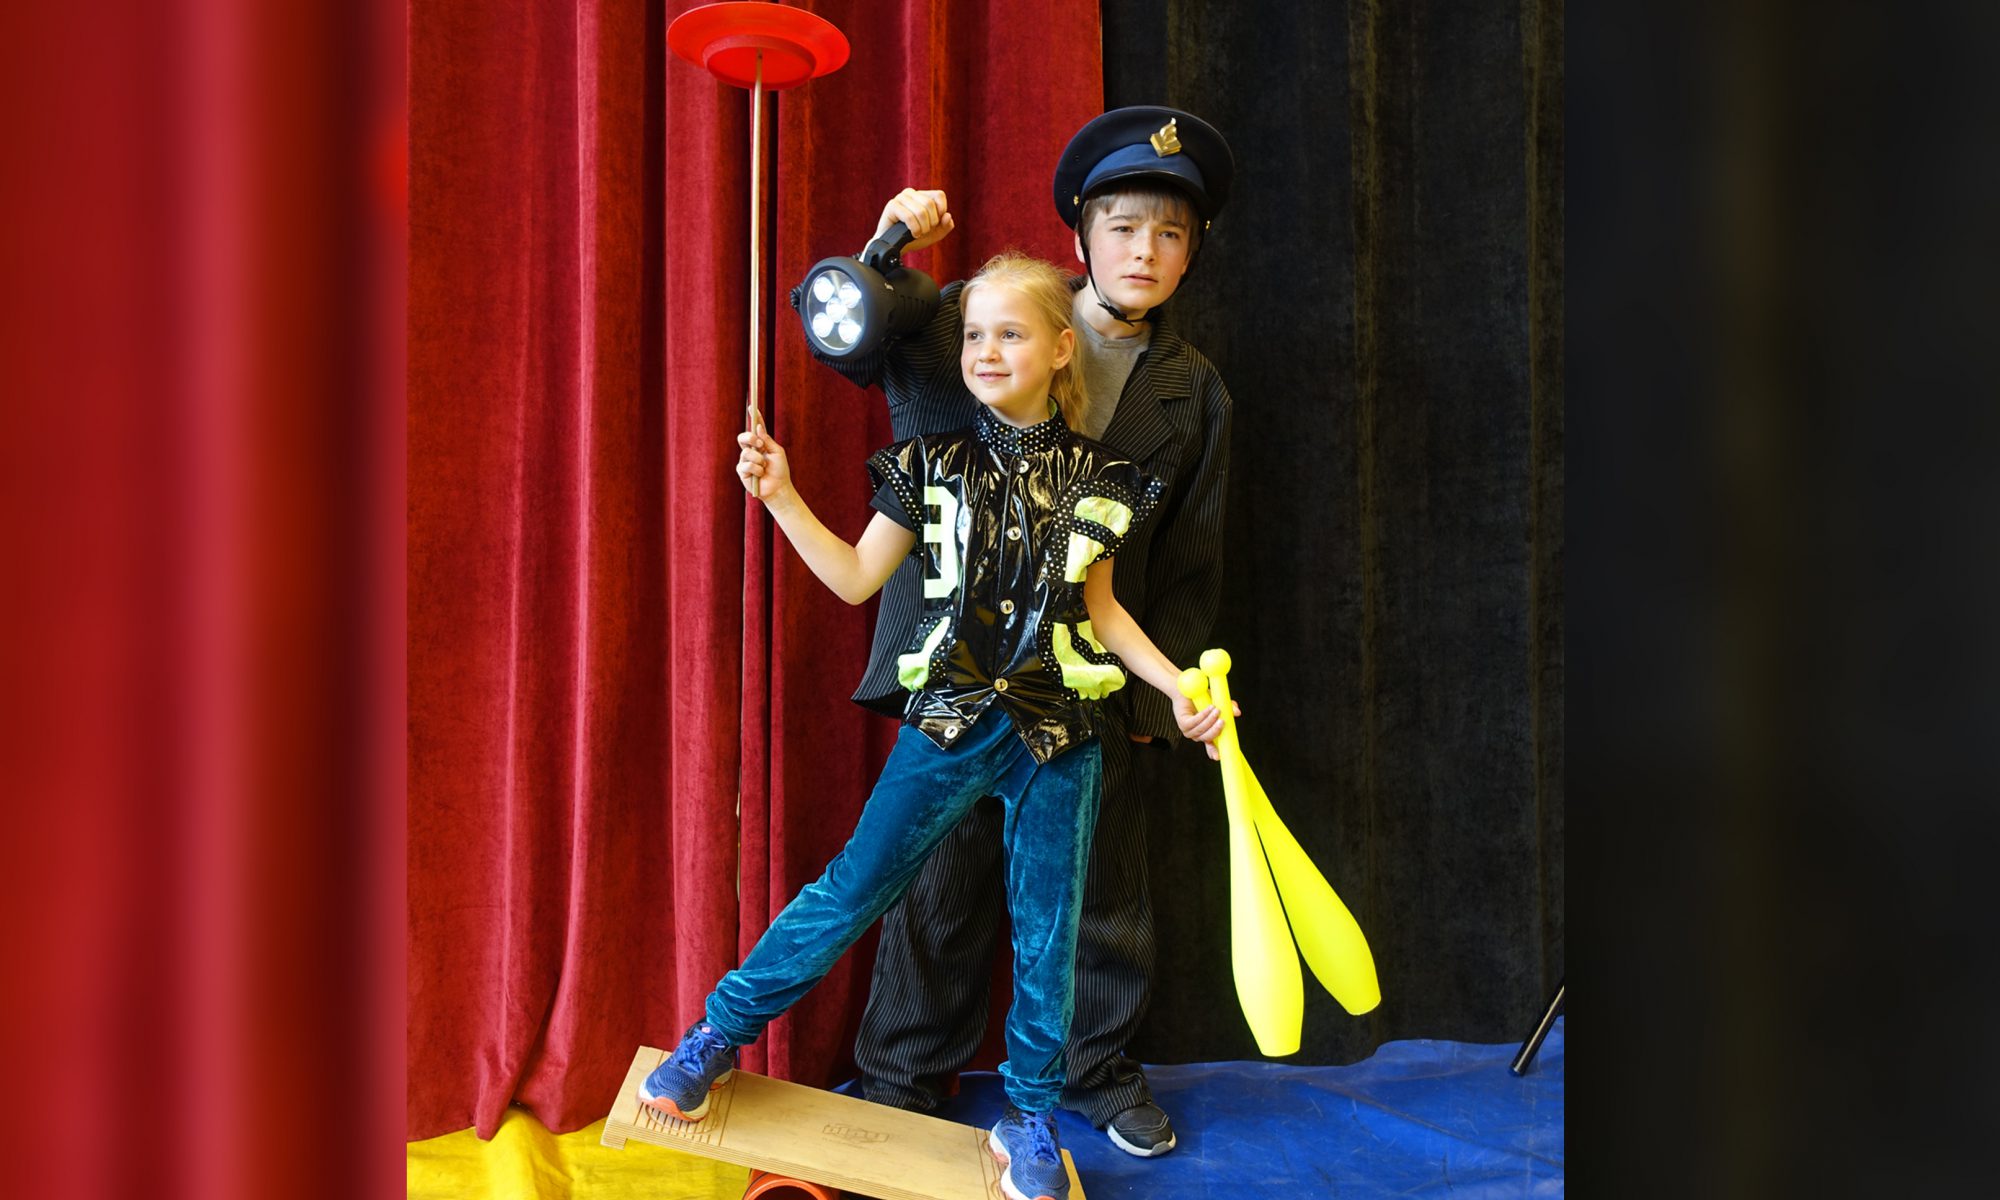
574,561
592,672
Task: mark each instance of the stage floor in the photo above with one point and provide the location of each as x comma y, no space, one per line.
1419,1119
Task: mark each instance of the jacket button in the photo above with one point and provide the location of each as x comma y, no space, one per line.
999,685
1014,533
1006,606
951,731
1022,466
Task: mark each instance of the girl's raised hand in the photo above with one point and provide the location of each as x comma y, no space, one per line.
925,212
761,464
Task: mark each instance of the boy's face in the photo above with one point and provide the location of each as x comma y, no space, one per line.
1137,257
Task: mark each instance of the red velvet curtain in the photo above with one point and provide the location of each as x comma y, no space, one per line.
595,682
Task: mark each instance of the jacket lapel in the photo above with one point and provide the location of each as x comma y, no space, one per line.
1139,425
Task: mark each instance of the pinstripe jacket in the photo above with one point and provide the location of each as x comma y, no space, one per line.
1172,421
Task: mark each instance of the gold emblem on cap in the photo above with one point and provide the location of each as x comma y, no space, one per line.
1168,139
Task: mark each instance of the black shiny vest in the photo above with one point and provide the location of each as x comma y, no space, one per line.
1008,520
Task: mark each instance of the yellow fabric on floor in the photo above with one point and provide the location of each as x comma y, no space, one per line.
524,1161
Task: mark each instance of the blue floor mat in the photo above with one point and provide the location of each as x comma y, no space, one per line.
1420,1118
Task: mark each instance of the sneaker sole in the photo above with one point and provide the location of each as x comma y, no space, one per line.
1007,1188
1140,1151
660,1104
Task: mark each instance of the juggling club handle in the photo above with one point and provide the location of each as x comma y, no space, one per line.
1209,684
1194,685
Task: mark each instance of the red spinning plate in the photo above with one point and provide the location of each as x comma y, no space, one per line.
724,39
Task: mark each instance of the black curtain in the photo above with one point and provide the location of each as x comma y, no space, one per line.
1383,297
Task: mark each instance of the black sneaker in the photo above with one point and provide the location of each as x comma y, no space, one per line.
1142,1130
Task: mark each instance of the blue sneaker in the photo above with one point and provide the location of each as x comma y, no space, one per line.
1025,1143
680,1087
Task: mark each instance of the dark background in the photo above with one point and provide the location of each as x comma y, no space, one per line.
1383,297
1782,587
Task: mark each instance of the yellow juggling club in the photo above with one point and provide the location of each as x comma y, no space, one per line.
1268,985
1328,935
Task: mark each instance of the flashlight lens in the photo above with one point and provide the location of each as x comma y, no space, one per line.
823,288
822,325
849,330
849,294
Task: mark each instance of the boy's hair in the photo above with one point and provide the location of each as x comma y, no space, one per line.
1048,290
1146,199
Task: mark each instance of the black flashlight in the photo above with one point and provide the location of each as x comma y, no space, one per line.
849,305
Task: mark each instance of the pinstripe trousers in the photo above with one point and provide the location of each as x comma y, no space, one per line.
927,1004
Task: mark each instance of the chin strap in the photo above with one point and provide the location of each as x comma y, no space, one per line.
1090,273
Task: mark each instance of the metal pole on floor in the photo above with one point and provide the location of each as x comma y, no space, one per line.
1533,1046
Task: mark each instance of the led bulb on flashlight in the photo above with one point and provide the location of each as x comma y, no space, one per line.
850,307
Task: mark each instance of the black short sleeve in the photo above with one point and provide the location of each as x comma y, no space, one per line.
887,503
894,470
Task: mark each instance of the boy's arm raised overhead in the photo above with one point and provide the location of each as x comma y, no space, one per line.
925,212
854,571
918,371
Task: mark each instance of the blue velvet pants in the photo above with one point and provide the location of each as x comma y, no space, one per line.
1049,811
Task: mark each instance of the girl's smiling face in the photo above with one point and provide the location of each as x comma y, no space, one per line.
1009,353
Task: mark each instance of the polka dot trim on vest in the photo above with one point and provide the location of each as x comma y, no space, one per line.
888,466
1009,440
